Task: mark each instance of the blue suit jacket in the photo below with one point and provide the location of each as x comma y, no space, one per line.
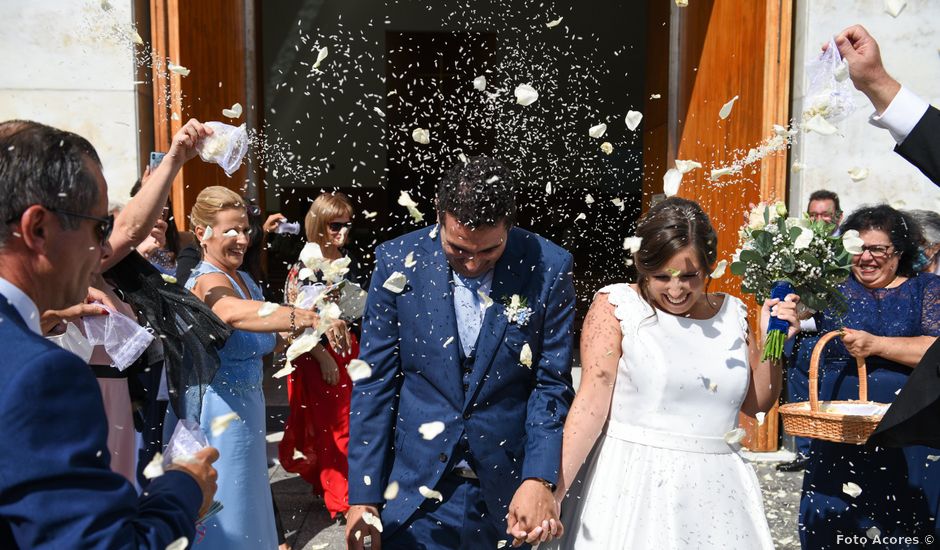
56,487
511,414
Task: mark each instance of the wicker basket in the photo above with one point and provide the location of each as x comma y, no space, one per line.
806,420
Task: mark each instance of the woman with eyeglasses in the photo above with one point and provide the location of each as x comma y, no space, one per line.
221,225
893,317
320,389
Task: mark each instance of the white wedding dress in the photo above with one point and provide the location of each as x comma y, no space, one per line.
662,474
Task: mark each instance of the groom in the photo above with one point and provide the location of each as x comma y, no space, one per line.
470,381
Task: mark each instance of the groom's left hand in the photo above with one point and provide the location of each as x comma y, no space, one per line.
533,514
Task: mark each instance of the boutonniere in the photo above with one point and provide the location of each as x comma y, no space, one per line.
517,309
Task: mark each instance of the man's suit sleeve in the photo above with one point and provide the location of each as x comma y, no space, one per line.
550,400
56,487
922,146
375,399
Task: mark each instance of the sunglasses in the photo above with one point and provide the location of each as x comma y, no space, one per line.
338,226
102,228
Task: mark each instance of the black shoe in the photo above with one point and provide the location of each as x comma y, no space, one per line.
794,465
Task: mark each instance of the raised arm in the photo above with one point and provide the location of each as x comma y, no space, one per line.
135,221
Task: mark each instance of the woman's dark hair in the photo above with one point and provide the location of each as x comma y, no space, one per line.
479,192
904,233
667,228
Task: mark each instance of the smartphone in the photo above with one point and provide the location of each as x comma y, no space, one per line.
155,159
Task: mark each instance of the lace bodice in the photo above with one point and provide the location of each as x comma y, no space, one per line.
242,355
909,309
679,375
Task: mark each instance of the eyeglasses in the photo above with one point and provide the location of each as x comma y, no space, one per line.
102,228
338,226
877,250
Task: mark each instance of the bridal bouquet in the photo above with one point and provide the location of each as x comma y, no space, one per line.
780,255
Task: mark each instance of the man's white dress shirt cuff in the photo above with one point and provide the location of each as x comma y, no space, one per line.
904,112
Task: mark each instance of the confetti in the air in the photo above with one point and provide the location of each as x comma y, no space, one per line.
526,95
234,112
396,282
358,370
851,489
525,356
598,131
430,493
220,423
895,7
554,23
725,110
858,174
633,119
177,69
430,430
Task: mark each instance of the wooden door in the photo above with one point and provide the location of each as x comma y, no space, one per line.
723,49
213,39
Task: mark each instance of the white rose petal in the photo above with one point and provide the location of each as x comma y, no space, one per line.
321,55
449,341
234,112
656,96
267,308
873,533
373,520
671,181
797,167
858,174
396,282
178,69
306,273
463,158
410,260
607,148
581,216
430,493
686,166
369,215
298,455
137,38
287,369
430,430
933,458
433,233
851,489
358,370
555,23
682,3
735,436
154,468
842,71
181,543
220,423
169,278
804,239
852,242
719,172
421,135
597,131
207,234
479,83
632,244
633,119
719,269
486,301
760,418
894,7
526,95
275,437
391,492
230,234
525,356
367,480
820,125
725,110
618,202
548,188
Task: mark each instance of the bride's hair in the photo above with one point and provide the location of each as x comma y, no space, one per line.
667,228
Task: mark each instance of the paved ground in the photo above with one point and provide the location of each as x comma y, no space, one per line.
309,526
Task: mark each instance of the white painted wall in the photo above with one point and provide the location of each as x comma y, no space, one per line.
58,66
909,47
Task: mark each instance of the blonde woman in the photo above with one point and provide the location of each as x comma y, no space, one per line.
221,225
320,388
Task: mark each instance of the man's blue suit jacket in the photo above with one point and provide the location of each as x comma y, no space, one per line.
56,487
511,414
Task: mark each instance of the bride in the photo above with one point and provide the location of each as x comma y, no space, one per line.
667,367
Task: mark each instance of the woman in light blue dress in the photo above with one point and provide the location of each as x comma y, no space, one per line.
246,520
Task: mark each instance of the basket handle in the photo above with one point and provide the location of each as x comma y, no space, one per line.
814,372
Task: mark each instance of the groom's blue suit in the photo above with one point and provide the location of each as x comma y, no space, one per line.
509,415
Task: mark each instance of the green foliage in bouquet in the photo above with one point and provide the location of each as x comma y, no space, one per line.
802,252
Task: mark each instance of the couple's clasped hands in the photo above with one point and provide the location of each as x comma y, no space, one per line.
534,514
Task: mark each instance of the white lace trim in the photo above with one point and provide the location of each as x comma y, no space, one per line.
629,307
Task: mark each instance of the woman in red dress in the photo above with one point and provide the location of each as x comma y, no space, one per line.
316,437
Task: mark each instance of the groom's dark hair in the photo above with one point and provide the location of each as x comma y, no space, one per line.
479,192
